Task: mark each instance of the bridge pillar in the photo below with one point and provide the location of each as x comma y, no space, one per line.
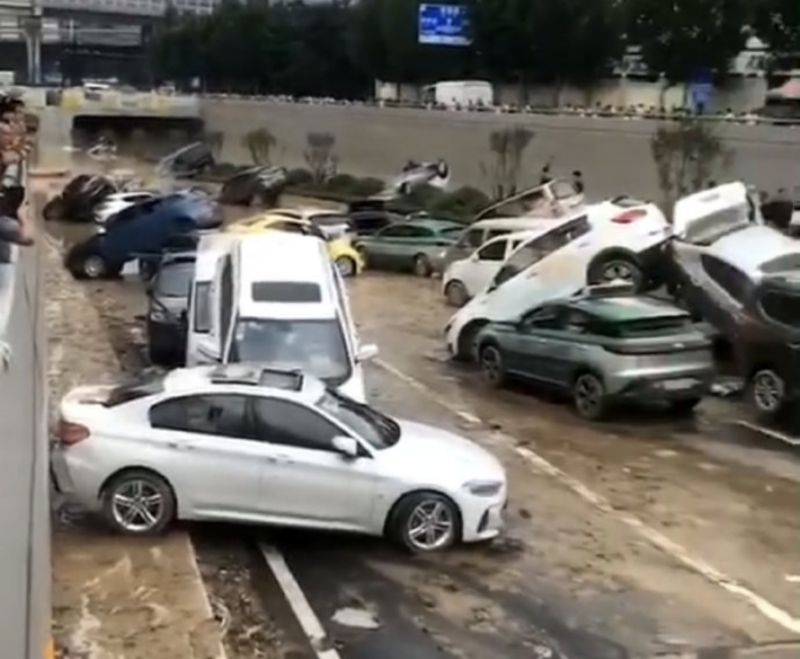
32,29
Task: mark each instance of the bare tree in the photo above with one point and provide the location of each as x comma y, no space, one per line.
687,153
508,146
259,142
320,156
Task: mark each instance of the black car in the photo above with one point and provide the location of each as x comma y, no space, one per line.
79,198
168,295
368,216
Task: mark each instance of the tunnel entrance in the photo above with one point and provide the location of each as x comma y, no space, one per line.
136,136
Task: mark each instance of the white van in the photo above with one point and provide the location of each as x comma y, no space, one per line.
274,298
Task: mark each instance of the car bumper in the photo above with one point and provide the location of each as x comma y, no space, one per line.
666,388
483,518
76,481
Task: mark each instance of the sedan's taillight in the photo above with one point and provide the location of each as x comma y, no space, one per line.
71,433
629,216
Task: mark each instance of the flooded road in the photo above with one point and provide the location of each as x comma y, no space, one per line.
644,536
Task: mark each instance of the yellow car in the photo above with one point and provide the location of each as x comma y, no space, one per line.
347,259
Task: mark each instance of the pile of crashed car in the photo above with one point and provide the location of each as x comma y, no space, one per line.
607,302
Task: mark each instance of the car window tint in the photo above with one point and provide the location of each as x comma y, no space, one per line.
494,233
495,251
397,231
574,321
730,278
472,238
208,415
282,422
202,307
542,318
782,307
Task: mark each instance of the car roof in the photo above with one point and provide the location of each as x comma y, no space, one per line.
625,307
432,223
299,262
245,377
749,248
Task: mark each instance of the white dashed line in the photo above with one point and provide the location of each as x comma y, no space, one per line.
653,536
297,601
788,439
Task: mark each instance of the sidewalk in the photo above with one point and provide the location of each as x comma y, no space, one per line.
113,597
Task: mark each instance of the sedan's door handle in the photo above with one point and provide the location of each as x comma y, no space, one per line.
279,459
180,446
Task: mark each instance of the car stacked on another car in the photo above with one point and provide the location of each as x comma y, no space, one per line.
248,444
744,279
602,347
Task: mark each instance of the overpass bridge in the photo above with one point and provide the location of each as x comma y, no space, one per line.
30,15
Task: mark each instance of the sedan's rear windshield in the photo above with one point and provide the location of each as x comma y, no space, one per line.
147,384
645,327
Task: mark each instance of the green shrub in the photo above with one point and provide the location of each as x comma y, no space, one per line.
367,186
298,176
464,202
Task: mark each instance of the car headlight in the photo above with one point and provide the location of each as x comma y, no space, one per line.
483,488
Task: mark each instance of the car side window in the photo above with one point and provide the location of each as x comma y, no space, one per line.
782,308
574,321
397,231
494,233
542,318
223,415
730,278
472,238
283,422
495,251
202,307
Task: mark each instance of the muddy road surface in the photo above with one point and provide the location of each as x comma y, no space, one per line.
645,536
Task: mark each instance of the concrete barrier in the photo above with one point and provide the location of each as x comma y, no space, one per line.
614,154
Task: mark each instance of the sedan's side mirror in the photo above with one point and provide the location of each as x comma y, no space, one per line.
366,352
347,446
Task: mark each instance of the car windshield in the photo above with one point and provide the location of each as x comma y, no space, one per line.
378,429
315,346
714,226
175,279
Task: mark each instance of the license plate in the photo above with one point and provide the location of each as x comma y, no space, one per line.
676,385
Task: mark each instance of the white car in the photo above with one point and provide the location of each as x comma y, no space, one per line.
247,444
333,224
560,259
118,201
465,278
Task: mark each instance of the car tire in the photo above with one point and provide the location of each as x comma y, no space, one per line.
426,522
347,266
615,268
466,341
767,392
492,365
91,266
138,502
456,294
422,266
684,406
589,396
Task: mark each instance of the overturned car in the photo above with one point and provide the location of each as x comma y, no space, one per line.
79,198
744,279
263,183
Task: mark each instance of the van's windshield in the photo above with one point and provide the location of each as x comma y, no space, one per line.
314,346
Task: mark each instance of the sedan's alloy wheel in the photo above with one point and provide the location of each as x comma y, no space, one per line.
768,391
137,506
431,525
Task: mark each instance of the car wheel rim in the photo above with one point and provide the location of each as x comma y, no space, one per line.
588,395
491,364
616,270
93,266
430,525
767,391
345,266
137,506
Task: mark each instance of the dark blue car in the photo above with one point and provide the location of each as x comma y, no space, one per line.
143,231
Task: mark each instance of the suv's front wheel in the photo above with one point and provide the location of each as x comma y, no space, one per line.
767,392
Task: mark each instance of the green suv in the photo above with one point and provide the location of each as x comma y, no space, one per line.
602,348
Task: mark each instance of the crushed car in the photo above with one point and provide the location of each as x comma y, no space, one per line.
603,346
744,280
415,174
141,232
186,162
262,183
79,198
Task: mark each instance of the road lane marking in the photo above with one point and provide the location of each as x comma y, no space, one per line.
302,610
653,536
788,439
